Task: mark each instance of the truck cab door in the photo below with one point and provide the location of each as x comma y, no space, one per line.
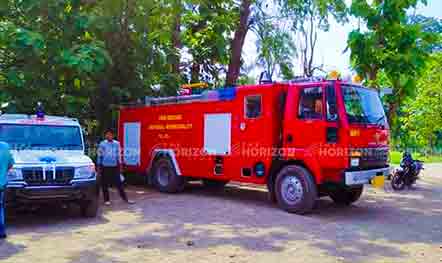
312,128
305,125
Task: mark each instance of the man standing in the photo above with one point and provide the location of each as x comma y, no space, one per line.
110,166
6,163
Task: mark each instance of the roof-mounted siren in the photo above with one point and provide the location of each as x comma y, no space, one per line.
334,75
357,79
39,111
189,89
265,78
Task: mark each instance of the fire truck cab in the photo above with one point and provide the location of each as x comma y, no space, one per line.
304,140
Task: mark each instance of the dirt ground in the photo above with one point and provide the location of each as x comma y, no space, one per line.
237,225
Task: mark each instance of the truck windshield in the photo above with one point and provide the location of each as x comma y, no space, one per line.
363,106
25,137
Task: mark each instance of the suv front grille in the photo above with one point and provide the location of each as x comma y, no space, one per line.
36,176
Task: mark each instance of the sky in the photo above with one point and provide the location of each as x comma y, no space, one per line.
332,44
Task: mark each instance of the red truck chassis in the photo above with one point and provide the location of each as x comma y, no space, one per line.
304,140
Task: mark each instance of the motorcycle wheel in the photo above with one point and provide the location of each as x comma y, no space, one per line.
398,182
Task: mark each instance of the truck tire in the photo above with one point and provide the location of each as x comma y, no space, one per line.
295,190
346,196
165,177
214,184
89,208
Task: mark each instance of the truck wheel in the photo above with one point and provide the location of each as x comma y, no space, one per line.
346,196
165,177
213,184
89,208
295,190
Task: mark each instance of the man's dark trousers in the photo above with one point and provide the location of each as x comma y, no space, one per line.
111,176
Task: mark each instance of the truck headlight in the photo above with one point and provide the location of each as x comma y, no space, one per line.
15,174
354,162
84,172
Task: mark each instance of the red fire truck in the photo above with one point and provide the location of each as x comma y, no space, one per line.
304,139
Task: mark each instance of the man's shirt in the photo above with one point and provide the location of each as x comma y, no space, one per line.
6,161
108,154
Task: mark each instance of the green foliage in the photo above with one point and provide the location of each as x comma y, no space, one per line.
422,120
299,12
207,35
275,45
43,50
429,25
395,157
308,18
391,46
390,43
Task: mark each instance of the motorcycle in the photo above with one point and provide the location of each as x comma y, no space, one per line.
408,172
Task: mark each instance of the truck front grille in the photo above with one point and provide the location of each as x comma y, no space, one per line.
36,176
374,158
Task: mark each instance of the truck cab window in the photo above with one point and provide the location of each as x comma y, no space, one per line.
253,107
310,103
332,108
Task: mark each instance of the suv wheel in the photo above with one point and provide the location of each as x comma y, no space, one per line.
295,189
89,208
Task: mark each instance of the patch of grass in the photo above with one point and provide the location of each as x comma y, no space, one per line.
395,157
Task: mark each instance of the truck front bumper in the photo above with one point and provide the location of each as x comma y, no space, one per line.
76,191
364,177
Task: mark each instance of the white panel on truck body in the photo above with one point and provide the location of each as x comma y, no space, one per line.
132,143
217,133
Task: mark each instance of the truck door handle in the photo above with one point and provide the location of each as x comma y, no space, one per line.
289,138
332,134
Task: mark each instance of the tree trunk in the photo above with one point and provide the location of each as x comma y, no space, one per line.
176,38
238,43
195,72
102,102
395,104
392,110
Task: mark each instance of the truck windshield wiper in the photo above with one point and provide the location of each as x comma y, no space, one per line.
381,119
68,145
40,145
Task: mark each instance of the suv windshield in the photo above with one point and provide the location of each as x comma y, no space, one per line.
363,106
41,137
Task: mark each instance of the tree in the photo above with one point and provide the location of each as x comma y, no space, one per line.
429,25
274,43
308,18
207,26
238,42
422,118
48,53
275,48
389,44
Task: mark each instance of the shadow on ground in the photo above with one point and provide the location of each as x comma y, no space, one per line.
381,225
245,218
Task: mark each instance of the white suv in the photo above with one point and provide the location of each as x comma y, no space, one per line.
50,162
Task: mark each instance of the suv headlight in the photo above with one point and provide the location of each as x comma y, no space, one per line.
85,172
15,174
